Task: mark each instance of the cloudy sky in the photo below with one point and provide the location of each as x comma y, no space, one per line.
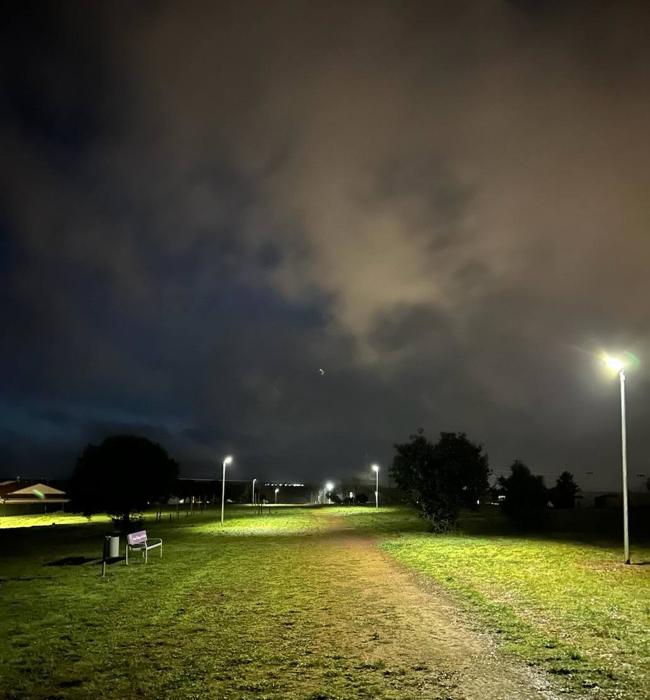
442,204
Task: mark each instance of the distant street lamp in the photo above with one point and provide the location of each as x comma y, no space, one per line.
253,497
375,468
329,486
227,460
276,495
618,366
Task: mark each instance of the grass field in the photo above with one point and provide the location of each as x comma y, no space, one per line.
270,607
149,631
571,607
48,519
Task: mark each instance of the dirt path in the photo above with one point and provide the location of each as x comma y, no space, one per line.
409,625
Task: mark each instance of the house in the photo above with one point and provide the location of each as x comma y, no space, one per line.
20,497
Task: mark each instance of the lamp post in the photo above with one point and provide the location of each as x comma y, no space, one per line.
329,486
276,496
253,496
227,460
619,366
375,468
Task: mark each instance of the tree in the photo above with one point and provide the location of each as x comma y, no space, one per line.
563,494
525,496
439,479
121,476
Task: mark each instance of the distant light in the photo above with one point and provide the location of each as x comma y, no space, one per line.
375,467
351,494
228,460
614,363
329,486
277,490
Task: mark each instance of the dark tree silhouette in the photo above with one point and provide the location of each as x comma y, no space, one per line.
440,479
526,496
563,494
121,476
334,497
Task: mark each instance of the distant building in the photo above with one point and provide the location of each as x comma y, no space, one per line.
611,499
287,492
20,497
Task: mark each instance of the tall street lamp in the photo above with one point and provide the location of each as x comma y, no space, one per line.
253,496
227,460
329,487
375,468
618,366
276,495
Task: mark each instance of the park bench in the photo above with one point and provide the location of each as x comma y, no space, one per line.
139,542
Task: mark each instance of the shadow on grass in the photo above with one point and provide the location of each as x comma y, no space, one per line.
80,561
6,579
72,561
595,527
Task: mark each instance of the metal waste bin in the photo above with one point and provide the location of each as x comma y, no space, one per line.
111,546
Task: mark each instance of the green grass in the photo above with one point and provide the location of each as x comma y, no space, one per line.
565,603
265,607
385,520
47,519
572,608
240,519
270,607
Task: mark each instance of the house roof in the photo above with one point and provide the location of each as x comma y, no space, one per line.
19,492
35,489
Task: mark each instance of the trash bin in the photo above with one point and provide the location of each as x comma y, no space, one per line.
111,546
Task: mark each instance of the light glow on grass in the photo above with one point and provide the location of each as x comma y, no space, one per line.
47,519
570,608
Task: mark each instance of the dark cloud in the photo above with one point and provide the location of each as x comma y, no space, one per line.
442,204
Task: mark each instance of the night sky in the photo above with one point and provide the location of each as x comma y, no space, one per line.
443,205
